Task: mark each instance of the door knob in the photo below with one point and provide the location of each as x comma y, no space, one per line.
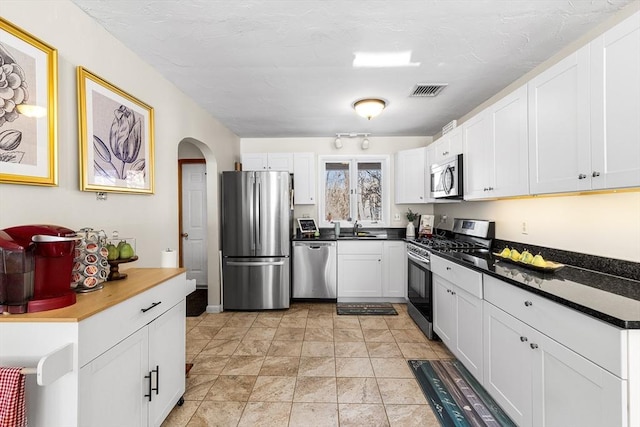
185,235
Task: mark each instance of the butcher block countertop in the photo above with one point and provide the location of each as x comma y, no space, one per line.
87,304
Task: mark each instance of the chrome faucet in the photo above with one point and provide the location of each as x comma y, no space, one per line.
355,227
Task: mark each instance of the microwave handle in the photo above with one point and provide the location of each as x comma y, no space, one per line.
447,171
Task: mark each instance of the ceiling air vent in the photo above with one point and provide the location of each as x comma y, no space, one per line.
428,89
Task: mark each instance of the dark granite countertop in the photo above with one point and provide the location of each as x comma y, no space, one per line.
328,234
612,299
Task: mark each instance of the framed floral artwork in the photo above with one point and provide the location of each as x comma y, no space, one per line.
116,138
28,108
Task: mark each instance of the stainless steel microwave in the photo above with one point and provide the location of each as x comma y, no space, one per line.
446,179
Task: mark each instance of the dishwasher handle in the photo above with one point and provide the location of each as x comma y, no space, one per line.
315,245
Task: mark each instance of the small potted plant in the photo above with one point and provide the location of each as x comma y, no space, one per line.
411,217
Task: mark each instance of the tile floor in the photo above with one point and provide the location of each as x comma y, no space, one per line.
305,366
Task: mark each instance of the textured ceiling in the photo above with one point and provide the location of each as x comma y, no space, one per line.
283,68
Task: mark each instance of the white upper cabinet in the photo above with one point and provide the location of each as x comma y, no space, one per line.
496,149
410,174
304,176
449,145
559,140
254,161
268,161
615,107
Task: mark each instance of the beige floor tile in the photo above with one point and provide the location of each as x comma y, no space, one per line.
220,347
271,314
202,332
243,365
280,366
252,348
384,349
400,323
217,414
191,322
240,322
265,414
293,322
318,334
417,350
318,349
285,348
273,389
351,349
229,333
231,388
289,334
267,322
392,367
347,335
346,322
408,335
197,386
260,334
217,322
316,389
325,322
314,415
441,350
180,415
317,367
296,312
404,391
358,390
208,365
411,416
245,315
196,346
372,322
358,415
378,335
353,367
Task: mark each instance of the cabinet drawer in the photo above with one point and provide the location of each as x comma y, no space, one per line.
603,344
463,277
100,332
360,248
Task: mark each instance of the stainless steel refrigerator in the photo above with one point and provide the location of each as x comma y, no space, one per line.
256,228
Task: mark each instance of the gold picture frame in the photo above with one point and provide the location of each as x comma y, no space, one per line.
28,115
116,138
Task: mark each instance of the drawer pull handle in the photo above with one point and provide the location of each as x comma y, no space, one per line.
453,292
533,346
528,303
448,268
149,395
524,339
144,310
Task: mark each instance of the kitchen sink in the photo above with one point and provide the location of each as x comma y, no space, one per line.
364,235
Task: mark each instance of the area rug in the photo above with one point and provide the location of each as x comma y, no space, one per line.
196,302
366,309
455,396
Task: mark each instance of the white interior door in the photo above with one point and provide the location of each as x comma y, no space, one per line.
194,222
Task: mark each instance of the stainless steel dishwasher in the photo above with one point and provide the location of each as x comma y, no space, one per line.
314,270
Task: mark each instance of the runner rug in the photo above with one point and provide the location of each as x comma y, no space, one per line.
366,309
457,399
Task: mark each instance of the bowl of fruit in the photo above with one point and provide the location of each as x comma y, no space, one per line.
528,260
120,252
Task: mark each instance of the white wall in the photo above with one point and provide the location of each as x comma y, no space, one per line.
326,146
151,219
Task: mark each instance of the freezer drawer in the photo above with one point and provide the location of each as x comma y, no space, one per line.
314,270
255,283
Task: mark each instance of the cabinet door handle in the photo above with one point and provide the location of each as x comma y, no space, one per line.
533,346
149,395
528,303
582,176
524,339
448,291
157,389
490,189
453,292
595,174
449,268
144,310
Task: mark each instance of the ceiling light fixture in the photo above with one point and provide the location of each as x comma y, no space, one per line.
383,59
369,107
338,143
365,141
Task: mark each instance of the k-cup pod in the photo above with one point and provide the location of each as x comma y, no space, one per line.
91,270
91,259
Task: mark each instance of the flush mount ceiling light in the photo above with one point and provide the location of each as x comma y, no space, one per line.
369,107
383,59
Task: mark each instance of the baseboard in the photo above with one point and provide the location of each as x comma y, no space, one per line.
214,309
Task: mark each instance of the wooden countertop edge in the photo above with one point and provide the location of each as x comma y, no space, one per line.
139,280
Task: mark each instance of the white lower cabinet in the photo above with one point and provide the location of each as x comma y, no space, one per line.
537,380
139,380
371,271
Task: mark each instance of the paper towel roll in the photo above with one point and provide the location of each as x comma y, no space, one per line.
169,259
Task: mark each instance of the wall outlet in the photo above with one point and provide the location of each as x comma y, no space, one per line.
396,217
444,219
525,228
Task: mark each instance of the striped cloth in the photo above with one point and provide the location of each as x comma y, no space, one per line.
12,409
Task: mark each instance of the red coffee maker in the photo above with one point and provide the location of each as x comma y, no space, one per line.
36,263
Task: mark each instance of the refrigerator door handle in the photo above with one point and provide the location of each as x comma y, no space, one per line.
258,191
254,264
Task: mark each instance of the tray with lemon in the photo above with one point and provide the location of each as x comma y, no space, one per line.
526,259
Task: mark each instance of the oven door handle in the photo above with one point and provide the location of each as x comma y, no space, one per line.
418,259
